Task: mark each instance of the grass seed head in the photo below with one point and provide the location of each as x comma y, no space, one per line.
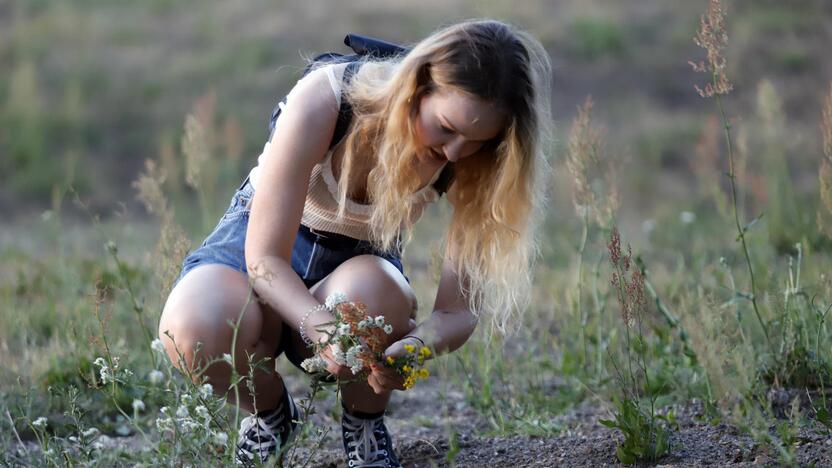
713,38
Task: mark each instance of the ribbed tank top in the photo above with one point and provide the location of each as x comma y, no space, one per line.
320,211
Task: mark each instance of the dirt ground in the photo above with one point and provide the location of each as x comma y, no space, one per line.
421,422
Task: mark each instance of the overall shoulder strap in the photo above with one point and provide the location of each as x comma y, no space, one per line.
345,112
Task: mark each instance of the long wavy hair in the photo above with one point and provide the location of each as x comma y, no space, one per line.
497,192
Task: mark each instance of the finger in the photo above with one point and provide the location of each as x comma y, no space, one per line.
374,384
390,382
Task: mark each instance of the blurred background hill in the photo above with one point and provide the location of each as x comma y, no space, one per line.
90,89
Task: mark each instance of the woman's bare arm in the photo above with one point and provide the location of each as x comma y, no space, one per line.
301,140
452,322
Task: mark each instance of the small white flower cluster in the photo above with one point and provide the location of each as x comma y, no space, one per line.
40,422
111,374
334,299
155,377
352,360
376,322
158,346
205,391
138,406
314,365
190,419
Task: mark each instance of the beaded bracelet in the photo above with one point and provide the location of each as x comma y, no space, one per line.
302,326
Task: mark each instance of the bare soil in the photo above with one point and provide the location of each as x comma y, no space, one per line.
421,422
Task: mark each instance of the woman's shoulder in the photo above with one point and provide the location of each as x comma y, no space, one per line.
328,75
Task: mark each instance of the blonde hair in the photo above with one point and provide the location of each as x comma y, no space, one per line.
496,192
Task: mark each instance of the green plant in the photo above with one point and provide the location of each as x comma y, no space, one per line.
646,431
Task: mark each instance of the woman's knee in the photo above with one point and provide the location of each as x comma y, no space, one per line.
379,285
196,323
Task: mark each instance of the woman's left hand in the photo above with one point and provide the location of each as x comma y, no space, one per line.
384,379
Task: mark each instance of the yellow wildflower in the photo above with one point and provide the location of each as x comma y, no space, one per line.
423,373
424,352
409,348
406,369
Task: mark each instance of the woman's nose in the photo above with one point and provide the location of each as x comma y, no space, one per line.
453,149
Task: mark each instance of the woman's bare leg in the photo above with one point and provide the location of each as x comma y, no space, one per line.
378,284
197,314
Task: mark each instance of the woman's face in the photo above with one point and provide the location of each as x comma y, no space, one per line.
451,125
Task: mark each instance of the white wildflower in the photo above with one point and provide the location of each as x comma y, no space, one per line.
352,359
380,321
352,354
164,424
186,399
365,323
313,365
40,422
182,412
338,354
189,425
220,438
388,329
104,372
74,439
155,376
203,413
158,346
90,433
687,217
227,358
205,391
138,405
97,446
165,410
344,329
334,299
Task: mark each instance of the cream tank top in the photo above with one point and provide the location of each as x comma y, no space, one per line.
320,211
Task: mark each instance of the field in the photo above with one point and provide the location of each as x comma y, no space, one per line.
681,310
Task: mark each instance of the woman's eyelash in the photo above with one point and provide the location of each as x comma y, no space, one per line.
446,129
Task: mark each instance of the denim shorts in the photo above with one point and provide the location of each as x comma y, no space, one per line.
315,254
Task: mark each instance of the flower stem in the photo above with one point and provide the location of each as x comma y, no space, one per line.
740,230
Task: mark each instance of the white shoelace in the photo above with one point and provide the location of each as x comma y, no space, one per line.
267,436
362,446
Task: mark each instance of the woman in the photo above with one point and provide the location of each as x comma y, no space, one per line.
312,220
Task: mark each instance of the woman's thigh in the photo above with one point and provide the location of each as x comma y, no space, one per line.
201,307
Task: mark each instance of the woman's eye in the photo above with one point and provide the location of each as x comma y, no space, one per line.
446,129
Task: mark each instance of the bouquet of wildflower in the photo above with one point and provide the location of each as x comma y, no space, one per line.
410,366
358,341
